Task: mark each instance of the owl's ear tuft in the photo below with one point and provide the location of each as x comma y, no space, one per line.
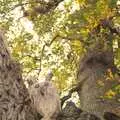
49,76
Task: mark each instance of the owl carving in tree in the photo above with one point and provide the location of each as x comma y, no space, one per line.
45,98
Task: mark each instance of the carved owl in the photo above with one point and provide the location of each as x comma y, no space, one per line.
45,99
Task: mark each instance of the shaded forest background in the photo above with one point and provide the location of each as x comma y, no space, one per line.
78,40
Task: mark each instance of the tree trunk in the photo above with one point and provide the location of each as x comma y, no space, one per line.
14,98
96,76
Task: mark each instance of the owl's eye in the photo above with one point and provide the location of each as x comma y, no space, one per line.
37,86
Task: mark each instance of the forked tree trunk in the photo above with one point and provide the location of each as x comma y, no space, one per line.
14,97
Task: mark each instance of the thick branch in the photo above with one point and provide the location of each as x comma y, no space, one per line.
69,95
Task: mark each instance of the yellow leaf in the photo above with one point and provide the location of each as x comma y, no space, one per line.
110,94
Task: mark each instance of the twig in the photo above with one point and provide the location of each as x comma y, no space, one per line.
43,49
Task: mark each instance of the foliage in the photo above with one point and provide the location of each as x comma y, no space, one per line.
31,38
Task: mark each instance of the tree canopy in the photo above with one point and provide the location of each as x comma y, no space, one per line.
54,34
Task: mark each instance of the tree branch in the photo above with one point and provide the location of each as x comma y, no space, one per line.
106,23
75,89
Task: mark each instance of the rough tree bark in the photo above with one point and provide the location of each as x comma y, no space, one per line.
14,98
94,75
